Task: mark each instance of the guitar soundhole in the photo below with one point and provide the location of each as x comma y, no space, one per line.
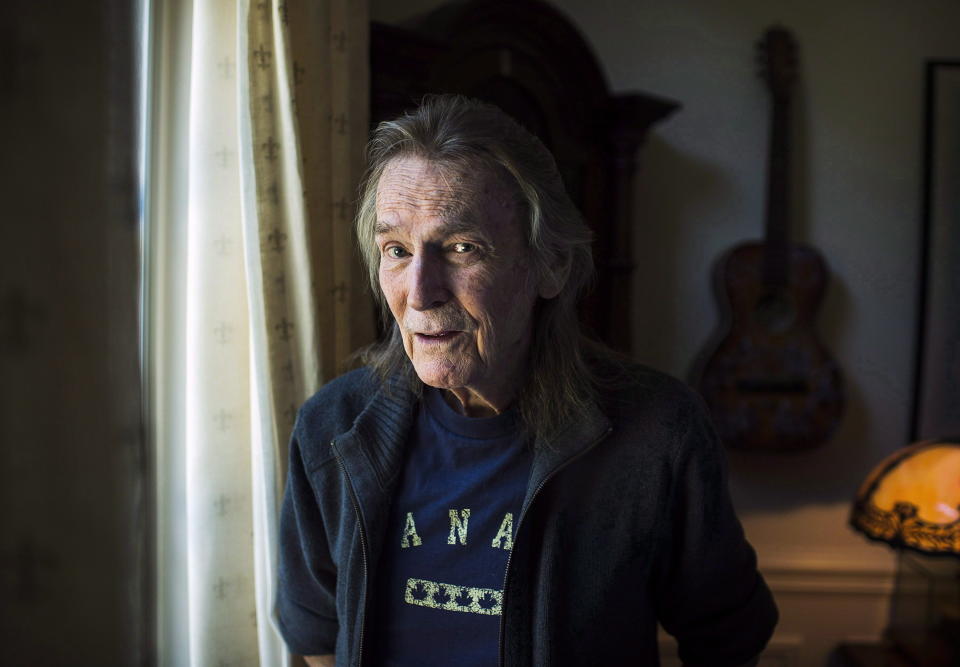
775,312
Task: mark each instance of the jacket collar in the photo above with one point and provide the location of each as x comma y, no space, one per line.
573,440
371,453
372,450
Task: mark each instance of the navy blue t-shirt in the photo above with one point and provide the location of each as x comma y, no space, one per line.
452,522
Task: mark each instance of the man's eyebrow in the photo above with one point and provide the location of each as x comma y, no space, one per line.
465,225
382,228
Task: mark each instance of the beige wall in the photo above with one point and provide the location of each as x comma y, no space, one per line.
858,178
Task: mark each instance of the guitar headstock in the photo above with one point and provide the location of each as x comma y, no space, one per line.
777,56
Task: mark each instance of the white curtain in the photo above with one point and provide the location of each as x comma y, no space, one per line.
257,130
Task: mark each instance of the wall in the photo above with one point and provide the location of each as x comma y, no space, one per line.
857,198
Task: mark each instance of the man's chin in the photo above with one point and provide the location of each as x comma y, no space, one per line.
440,383
440,378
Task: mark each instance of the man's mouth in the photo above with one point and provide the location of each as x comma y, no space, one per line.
437,336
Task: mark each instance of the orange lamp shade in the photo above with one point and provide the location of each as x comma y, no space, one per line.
912,499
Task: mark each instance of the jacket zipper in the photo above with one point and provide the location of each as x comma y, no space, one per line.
363,551
523,513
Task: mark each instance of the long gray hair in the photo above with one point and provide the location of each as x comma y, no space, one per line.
456,132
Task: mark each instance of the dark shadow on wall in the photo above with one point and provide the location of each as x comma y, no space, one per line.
673,187
662,229
832,472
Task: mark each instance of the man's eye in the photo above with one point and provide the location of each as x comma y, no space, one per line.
395,251
462,248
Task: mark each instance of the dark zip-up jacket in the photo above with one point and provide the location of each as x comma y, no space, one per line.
627,521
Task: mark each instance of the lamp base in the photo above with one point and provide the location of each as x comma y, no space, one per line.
925,610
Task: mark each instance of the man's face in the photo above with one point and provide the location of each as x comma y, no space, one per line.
454,270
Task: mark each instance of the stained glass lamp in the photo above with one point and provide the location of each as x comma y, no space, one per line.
911,501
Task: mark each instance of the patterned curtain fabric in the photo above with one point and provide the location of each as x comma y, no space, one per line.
277,99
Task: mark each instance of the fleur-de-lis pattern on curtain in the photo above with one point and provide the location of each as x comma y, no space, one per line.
219,508
273,296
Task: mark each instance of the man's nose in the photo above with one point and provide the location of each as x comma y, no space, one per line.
428,288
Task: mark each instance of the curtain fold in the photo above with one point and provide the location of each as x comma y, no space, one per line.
276,99
219,502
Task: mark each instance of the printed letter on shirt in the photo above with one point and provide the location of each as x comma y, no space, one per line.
458,526
505,534
410,531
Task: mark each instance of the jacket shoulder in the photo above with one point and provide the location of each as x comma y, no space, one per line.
637,385
332,410
641,399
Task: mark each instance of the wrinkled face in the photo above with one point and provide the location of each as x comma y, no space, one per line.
455,273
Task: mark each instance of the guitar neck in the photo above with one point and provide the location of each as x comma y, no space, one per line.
777,225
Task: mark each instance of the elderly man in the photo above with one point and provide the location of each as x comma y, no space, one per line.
491,488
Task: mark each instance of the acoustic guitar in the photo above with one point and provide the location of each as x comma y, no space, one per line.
769,381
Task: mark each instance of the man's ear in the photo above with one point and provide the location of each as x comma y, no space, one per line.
553,281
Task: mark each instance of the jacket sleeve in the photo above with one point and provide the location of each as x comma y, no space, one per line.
307,576
710,596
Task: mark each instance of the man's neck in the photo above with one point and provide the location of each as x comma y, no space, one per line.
472,404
